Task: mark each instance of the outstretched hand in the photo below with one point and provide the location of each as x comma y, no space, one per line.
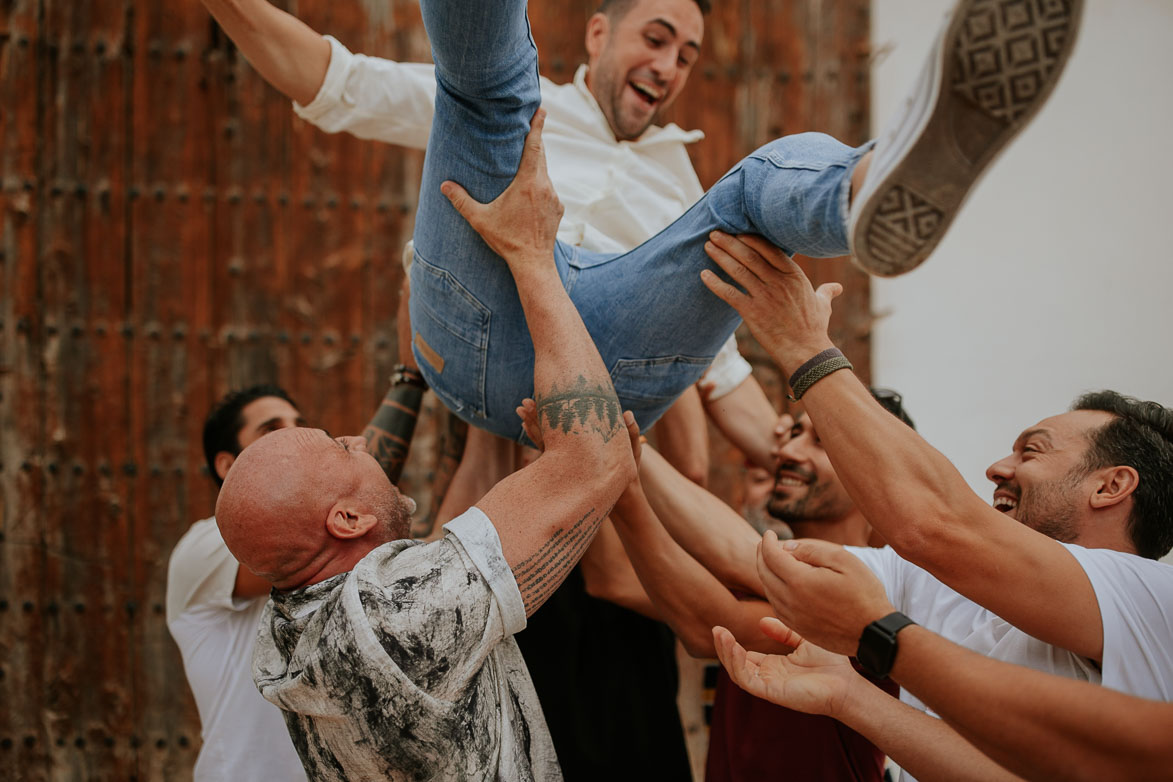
521,224
822,591
810,679
785,314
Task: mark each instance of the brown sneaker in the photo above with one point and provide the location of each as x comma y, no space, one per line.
991,68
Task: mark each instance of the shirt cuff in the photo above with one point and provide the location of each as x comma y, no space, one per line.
728,370
330,93
479,538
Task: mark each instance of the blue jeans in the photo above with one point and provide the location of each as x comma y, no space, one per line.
655,324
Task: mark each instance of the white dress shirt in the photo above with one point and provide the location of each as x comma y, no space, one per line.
617,194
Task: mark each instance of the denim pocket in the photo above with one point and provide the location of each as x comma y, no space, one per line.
454,326
656,381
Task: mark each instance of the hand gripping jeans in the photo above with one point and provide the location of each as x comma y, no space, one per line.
655,324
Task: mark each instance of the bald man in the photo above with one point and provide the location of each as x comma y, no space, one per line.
395,659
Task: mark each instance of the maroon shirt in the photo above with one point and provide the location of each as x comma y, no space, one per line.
753,740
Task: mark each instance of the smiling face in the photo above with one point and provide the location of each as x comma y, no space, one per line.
1043,483
806,487
640,61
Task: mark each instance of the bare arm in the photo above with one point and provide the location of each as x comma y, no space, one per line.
690,598
887,468
607,574
682,437
816,681
746,418
706,527
283,49
1035,724
1041,726
547,513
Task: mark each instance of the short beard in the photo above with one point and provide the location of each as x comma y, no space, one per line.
1050,509
393,510
814,506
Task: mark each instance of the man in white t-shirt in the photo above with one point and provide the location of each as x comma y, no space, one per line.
1060,574
213,606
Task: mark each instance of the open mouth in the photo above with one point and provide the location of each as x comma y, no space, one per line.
647,93
784,480
1005,504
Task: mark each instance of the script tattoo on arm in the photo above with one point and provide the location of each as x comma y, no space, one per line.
544,571
581,409
580,413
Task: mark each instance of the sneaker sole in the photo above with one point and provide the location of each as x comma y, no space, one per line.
999,62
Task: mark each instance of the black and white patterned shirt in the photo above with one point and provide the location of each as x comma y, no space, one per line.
405,668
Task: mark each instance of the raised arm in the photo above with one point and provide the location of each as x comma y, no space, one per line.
690,598
746,418
706,527
1035,724
547,513
283,49
907,489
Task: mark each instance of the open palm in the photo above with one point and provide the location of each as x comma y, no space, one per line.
810,679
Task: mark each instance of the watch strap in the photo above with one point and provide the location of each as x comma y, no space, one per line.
877,644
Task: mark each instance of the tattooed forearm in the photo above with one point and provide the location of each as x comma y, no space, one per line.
582,408
540,574
389,433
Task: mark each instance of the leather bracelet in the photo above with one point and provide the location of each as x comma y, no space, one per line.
814,370
401,374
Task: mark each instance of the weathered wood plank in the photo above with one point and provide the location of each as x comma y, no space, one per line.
169,230
170,322
22,399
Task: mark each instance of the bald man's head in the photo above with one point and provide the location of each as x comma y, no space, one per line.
298,506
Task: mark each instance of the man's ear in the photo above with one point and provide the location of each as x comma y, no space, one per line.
223,461
1114,485
597,31
346,523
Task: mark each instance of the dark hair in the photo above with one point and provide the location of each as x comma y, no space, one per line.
893,402
617,9
1141,437
223,424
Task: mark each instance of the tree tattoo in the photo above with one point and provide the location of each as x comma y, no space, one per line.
583,408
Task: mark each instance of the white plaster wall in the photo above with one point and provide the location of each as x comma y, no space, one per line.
1058,276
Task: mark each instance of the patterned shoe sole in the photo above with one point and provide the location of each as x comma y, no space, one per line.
1002,58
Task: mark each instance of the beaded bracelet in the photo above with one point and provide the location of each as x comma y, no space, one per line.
814,370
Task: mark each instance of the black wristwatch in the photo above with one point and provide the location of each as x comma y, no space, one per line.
877,644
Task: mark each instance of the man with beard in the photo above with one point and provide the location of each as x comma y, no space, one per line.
622,176
394,659
747,734
1059,575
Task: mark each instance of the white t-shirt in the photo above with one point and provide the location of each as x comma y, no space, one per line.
406,668
616,194
1136,605
244,736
